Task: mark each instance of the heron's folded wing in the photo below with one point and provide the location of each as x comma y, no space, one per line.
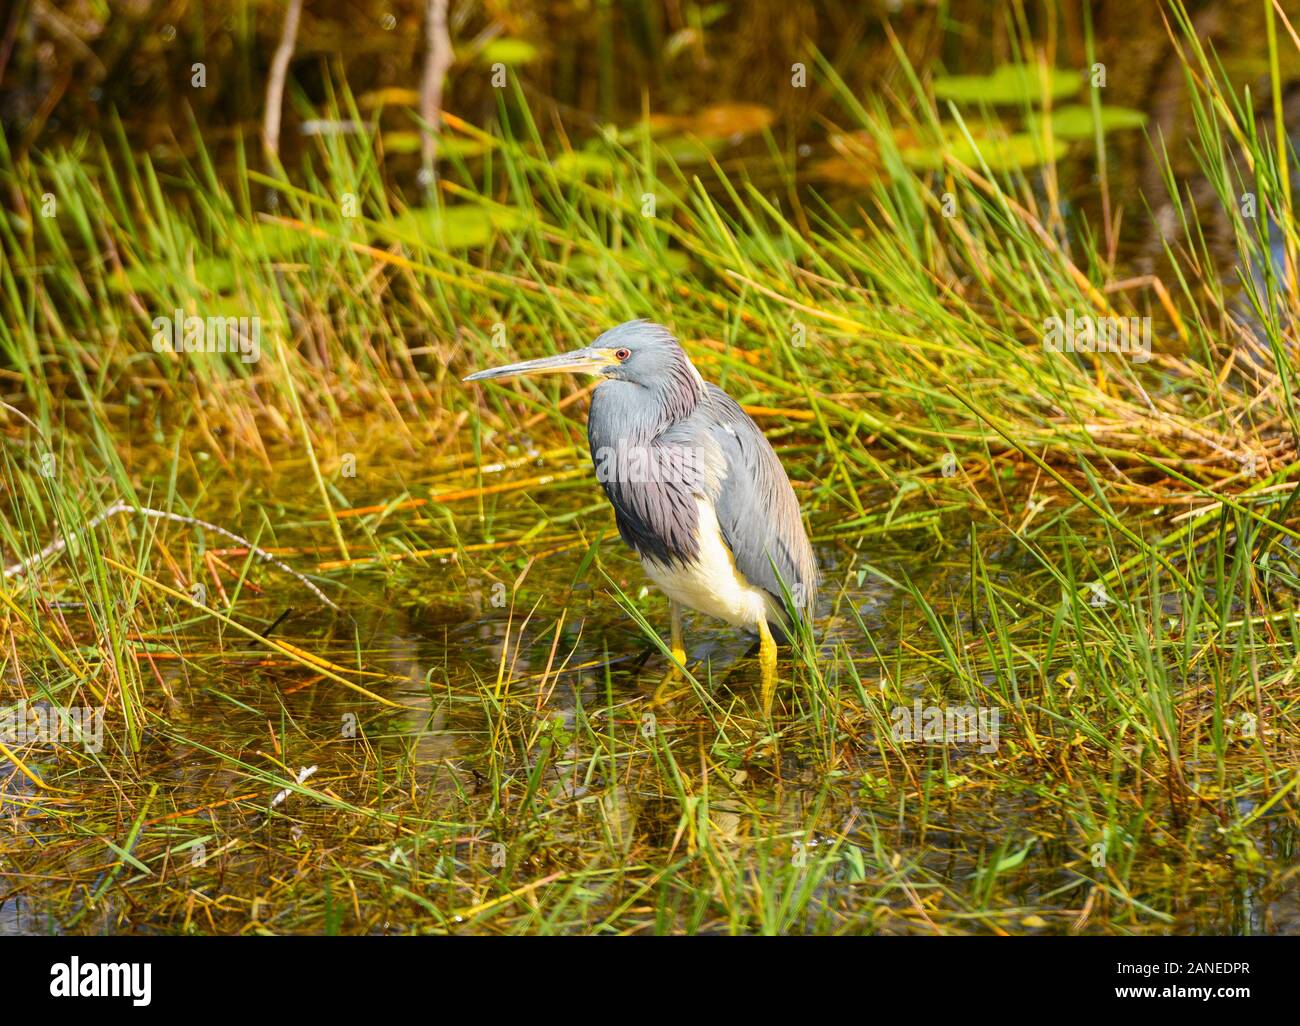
757,509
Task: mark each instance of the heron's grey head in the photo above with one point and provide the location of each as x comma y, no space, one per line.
645,354
639,352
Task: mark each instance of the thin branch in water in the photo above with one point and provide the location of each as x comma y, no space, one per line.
275,81
59,544
438,59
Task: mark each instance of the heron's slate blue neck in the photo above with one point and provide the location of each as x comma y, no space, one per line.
656,517
638,413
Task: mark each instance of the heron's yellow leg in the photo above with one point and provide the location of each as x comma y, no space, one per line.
662,694
767,663
679,650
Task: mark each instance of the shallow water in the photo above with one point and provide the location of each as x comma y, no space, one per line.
518,745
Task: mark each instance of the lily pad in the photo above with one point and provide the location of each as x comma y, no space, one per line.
693,139
856,160
655,126
844,171
400,142
725,120
460,227
1075,121
274,242
673,260
579,164
508,52
1000,153
393,96
1009,85
212,273
684,150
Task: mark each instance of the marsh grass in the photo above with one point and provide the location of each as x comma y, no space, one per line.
1070,540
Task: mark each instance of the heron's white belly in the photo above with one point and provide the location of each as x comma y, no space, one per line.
712,584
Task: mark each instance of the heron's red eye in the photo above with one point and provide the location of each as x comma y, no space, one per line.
622,354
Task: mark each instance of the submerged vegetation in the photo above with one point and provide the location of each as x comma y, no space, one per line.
1090,560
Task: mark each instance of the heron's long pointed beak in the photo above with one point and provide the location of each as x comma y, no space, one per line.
588,360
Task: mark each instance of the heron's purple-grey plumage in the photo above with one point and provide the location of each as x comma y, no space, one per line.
661,437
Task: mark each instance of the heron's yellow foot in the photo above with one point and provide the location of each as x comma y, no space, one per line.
767,664
664,693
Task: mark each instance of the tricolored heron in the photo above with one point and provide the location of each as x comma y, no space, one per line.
697,491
